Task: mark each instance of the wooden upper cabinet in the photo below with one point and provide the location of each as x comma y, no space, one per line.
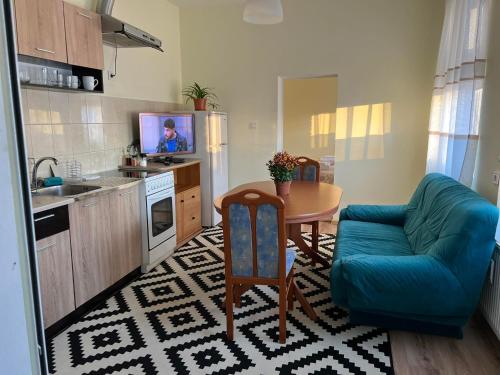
40,29
83,37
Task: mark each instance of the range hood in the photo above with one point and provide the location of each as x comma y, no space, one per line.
120,34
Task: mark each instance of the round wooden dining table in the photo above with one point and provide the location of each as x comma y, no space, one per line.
307,202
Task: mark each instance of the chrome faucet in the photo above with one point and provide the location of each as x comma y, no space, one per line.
34,177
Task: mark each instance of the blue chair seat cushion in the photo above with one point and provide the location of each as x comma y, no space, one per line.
290,259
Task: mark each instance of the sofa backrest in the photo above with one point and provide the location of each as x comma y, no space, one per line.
452,223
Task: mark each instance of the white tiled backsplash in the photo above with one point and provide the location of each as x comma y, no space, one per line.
90,128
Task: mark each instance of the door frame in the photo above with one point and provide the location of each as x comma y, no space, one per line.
22,339
280,122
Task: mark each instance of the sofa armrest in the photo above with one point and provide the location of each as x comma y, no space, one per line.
413,284
394,215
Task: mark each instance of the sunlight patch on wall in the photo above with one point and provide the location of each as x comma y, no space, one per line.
322,130
360,131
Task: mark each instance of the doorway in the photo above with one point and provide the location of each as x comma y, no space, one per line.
306,115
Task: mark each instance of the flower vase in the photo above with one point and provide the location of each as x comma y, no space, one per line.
283,188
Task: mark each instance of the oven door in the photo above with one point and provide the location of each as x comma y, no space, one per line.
161,217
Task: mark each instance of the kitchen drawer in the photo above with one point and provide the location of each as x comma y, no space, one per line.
50,222
192,219
192,196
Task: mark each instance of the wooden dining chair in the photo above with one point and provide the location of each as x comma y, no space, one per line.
308,170
255,252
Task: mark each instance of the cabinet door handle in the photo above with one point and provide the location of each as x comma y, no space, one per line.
45,50
192,196
193,218
182,200
40,249
44,217
84,15
91,204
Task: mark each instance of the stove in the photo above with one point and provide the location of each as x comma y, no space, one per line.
159,238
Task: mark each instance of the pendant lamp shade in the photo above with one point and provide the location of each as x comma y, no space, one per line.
263,12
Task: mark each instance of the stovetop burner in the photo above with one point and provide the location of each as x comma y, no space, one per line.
131,173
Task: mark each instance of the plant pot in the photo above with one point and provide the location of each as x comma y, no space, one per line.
283,188
200,104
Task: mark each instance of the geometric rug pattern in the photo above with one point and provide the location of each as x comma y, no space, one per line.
171,321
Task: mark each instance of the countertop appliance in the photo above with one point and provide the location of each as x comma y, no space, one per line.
212,150
158,219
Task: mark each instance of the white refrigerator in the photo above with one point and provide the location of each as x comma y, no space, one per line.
212,150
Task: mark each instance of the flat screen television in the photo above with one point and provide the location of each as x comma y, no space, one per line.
166,134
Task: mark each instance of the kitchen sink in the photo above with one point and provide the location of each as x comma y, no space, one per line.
65,190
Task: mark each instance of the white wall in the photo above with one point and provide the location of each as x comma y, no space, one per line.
144,73
384,51
489,134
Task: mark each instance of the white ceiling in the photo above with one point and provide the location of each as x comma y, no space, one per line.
181,3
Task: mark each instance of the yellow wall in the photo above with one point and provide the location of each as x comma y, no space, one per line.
384,52
144,73
489,134
309,107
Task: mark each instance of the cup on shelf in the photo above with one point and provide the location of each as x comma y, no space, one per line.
24,76
75,82
89,83
60,80
44,76
69,81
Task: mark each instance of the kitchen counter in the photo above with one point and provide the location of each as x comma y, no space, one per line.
41,203
162,167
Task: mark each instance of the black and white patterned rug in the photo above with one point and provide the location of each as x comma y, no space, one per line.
171,321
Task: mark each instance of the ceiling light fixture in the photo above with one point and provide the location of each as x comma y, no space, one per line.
263,12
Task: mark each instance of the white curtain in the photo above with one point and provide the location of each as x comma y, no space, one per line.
458,89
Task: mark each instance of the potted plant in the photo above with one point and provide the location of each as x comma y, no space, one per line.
282,168
201,97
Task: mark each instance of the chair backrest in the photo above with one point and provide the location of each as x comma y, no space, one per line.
455,225
307,170
254,235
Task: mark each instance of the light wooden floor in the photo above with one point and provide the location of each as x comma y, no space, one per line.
478,353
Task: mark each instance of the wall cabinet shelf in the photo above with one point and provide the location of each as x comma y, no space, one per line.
57,88
53,31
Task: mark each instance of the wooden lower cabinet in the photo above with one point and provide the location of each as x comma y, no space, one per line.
56,277
90,229
106,240
125,232
188,213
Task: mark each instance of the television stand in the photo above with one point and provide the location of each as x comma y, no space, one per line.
168,160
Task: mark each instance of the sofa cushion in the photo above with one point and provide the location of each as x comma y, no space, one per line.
441,207
357,237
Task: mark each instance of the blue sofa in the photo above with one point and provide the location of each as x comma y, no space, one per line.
419,266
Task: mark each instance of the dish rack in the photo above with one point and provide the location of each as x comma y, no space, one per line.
72,170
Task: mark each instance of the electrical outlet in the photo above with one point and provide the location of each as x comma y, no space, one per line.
495,177
110,74
252,125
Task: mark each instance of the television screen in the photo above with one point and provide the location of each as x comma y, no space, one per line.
166,133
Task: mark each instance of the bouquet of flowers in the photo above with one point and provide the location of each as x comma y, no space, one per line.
282,166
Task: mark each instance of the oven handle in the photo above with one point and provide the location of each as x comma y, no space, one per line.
161,195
